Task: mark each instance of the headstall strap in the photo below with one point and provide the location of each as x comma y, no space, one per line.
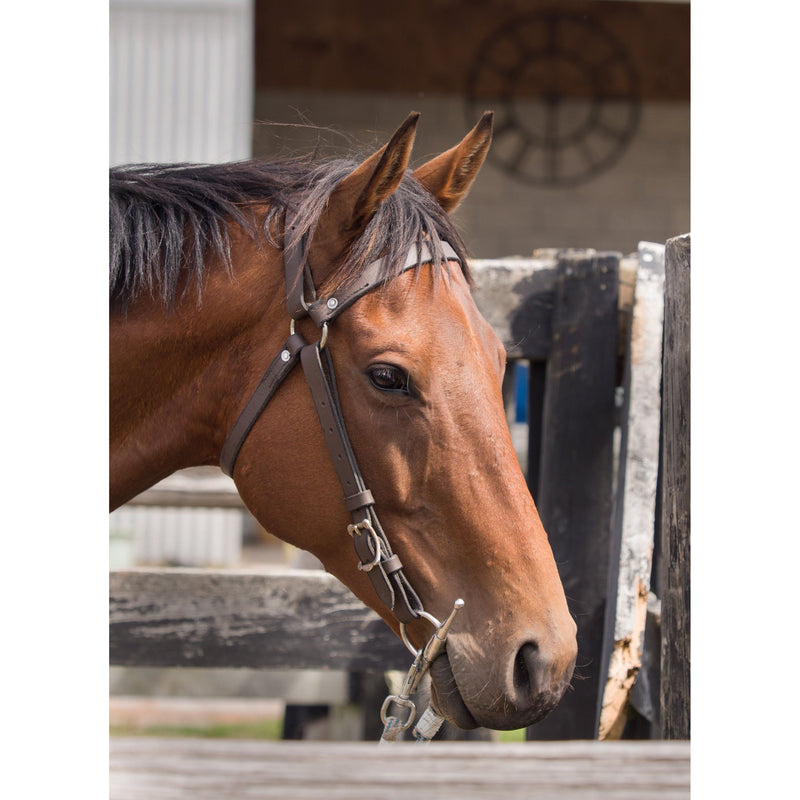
369,539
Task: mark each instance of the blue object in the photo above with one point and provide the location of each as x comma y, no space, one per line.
521,373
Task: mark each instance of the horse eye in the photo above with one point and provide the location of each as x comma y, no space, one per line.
389,379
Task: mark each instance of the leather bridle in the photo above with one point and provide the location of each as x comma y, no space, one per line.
369,539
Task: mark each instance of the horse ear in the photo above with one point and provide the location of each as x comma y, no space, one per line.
380,174
355,200
449,176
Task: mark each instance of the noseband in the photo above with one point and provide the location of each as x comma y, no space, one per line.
369,539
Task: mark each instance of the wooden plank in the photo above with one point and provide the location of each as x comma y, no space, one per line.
675,504
574,497
280,618
631,549
201,769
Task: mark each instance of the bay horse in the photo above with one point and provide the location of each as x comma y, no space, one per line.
358,262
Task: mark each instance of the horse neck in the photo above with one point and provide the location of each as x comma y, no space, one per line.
176,376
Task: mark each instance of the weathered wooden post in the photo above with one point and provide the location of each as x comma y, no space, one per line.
675,594
576,466
635,502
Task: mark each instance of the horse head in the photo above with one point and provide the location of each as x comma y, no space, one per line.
419,375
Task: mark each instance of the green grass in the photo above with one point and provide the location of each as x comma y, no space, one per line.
266,729
512,736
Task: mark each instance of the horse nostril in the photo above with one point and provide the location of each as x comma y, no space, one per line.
525,667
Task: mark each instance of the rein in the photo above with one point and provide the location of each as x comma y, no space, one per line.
371,544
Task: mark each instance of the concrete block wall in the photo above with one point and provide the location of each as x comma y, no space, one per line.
643,196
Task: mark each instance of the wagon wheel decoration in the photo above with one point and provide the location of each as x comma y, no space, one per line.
566,95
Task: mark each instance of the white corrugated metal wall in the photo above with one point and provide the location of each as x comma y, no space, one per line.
180,80
209,537
181,89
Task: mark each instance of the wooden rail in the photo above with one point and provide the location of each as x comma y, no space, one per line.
165,769
257,618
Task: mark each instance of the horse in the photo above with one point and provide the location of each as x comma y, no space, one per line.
359,264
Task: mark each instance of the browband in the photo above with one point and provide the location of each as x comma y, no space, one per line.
322,310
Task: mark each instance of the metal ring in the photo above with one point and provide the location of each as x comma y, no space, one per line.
324,337
404,636
291,327
400,701
425,615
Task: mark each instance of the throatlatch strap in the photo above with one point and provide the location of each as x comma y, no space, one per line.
280,367
391,585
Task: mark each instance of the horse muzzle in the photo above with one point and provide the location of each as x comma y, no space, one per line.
473,689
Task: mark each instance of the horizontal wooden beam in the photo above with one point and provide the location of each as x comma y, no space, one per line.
258,618
206,769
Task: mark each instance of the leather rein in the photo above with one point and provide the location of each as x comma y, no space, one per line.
369,539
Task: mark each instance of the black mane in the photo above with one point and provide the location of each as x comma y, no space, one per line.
167,222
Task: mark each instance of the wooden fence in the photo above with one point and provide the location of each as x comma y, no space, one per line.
589,325
196,769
